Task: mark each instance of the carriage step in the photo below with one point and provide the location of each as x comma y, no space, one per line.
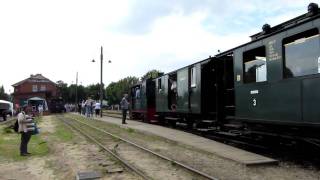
228,134
231,106
236,126
153,121
208,121
230,117
182,124
206,129
172,118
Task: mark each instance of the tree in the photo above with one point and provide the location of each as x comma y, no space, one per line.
63,90
115,90
68,92
151,74
94,91
3,94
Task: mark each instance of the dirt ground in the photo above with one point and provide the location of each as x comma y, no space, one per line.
64,160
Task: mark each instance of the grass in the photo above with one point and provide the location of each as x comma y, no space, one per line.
62,132
130,130
10,143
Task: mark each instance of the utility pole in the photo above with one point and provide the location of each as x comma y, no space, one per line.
101,84
76,104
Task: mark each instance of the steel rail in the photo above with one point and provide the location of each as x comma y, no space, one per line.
152,152
8,121
138,172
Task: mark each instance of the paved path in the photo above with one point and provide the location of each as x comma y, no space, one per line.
220,149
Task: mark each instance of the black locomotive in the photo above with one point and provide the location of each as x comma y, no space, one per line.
268,86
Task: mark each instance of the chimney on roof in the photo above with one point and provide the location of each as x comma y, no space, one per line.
313,9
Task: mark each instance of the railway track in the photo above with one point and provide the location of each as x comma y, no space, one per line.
298,153
8,121
115,140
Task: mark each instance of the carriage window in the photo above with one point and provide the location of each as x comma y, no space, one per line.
302,55
254,65
159,84
137,93
193,77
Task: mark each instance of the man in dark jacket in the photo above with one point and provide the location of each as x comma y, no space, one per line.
124,106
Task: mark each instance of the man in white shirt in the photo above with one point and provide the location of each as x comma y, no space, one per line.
97,108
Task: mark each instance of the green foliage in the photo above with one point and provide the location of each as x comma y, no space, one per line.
151,74
115,90
68,92
3,94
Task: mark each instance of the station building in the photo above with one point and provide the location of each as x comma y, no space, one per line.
34,91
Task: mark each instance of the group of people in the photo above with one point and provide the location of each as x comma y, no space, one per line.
89,107
70,107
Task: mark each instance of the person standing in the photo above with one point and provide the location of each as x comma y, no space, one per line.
79,107
25,128
97,108
88,105
124,106
40,109
83,107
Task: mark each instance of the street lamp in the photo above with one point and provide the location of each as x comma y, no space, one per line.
101,84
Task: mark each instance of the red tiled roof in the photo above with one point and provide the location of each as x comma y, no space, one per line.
34,78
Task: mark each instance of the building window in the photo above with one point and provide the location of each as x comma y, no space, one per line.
255,66
34,88
193,77
302,54
43,88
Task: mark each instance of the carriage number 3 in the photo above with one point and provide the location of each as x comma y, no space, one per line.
254,102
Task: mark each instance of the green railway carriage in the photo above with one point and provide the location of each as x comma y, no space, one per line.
186,95
267,86
277,77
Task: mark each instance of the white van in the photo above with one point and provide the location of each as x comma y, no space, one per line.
6,108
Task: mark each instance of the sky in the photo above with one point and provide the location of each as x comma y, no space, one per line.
60,38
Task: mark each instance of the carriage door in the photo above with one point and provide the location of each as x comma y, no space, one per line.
195,88
225,100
